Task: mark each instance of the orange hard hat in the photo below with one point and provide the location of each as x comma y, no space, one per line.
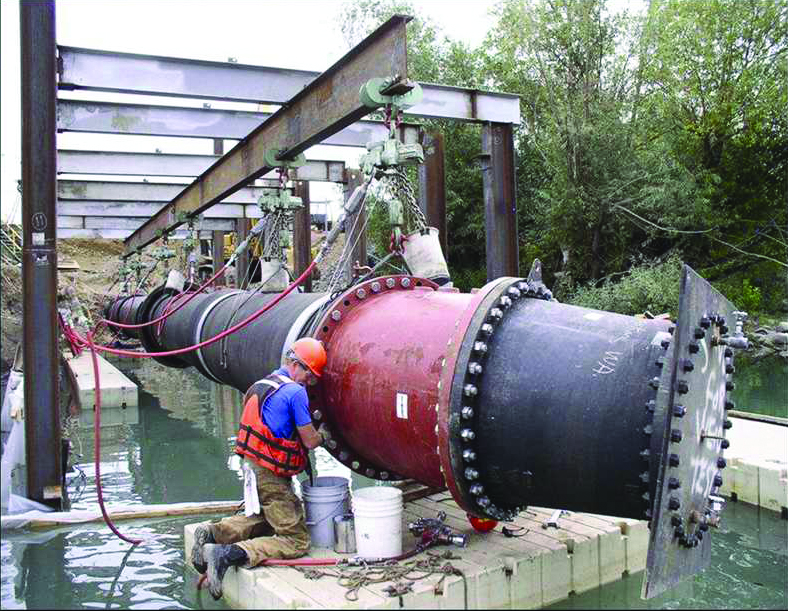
311,353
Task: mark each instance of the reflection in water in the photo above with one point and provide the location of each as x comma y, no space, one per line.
177,447
761,387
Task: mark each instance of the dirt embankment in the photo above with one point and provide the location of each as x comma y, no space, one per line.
98,261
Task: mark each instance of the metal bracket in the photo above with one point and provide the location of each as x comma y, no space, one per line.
394,91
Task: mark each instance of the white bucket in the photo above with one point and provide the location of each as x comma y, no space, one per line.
328,497
377,512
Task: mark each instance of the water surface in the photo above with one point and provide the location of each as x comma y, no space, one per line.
177,447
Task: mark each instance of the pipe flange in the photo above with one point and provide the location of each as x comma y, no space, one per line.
466,356
147,335
334,317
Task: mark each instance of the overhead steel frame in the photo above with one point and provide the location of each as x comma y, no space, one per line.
96,70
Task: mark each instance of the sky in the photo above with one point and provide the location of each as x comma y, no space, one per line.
301,34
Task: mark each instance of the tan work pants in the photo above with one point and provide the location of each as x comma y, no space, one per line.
279,531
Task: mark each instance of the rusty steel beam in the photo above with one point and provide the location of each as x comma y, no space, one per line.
432,185
500,200
39,253
302,235
325,106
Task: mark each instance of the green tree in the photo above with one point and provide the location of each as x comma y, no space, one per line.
434,57
714,88
576,66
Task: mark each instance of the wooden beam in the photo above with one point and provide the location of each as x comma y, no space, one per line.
325,106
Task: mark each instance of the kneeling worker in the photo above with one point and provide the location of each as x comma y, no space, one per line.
275,415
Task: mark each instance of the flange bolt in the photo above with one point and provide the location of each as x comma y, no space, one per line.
474,368
675,435
469,390
718,480
725,444
674,483
361,293
375,287
336,314
468,455
694,347
687,365
729,404
405,282
495,314
467,434
705,322
679,411
471,473
682,387
487,329
514,292
476,489
698,333
729,368
673,503
466,412
483,502
727,424
505,302
673,460
480,347
721,463
390,282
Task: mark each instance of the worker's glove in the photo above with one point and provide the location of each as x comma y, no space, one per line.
325,435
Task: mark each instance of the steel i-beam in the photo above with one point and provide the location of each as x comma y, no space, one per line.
325,106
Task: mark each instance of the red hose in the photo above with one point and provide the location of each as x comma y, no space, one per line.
216,338
97,444
168,313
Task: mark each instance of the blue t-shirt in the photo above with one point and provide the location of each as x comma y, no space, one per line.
286,405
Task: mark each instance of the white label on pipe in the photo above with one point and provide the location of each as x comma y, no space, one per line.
593,316
402,405
38,238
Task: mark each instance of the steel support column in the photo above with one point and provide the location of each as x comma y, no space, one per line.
217,252
39,267
432,185
242,262
218,236
355,230
302,235
500,200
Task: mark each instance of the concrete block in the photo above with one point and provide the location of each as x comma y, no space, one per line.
525,582
635,535
116,389
773,486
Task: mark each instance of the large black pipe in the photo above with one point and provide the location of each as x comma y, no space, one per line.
564,384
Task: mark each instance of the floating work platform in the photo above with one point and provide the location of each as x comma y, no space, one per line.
116,389
757,470
535,567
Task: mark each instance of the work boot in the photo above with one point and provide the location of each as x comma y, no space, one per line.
202,535
219,559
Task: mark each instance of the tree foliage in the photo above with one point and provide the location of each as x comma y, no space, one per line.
644,136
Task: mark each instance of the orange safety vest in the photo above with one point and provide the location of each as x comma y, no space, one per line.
285,457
